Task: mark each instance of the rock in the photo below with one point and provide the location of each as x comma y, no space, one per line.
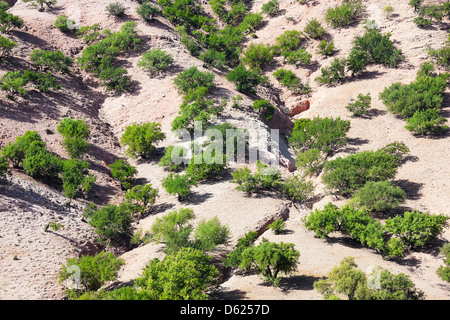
299,108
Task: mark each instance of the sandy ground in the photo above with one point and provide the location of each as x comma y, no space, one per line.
425,177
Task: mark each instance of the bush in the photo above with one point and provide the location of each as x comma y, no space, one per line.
74,132
278,226
9,21
422,22
379,48
173,153
379,196
140,138
444,271
115,79
361,106
14,82
346,175
185,13
325,134
323,222
344,14
116,9
246,80
311,161
265,178
265,107
123,172
271,8
425,122
112,223
192,78
426,92
269,259
288,41
185,275
180,185
6,47
40,4
147,12
299,57
314,29
75,177
94,271
39,163
257,56
416,229
334,73
348,280
388,10
64,24
141,197
290,80
208,234
155,61
297,189
56,61
14,152
442,56
326,48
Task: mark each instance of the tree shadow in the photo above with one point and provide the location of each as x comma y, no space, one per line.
223,294
298,282
160,208
195,197
411,188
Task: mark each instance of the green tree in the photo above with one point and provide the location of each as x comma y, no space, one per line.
75,176
271,8
40,4
123,172
142,197
14,152
416,229
444,271
112,222
185,275
9,21
94,270
147,12
155,61
425,122
379,196
246,80
74,132
257,55
192,78
178,184
314,29
361,106
344,14
55,61
140,138
333,73
326,134
269,259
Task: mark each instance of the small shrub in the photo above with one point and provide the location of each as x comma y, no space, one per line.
123,172
40,4
361,106
297,189
177,184
257,55
288,41
325,134
425,122
334,73
74,132
298,57
265,107
6,47
112,222
344,14
75,177
115,79
271,8
56,61
155,61
9,21
422,22
278,226
388,10
64,24
94,270
147,12
246,80
290,80
326,48
141,197
379,196
192,78
140,138
311,161
116,9
314,29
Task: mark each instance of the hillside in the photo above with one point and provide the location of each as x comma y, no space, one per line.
31,258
